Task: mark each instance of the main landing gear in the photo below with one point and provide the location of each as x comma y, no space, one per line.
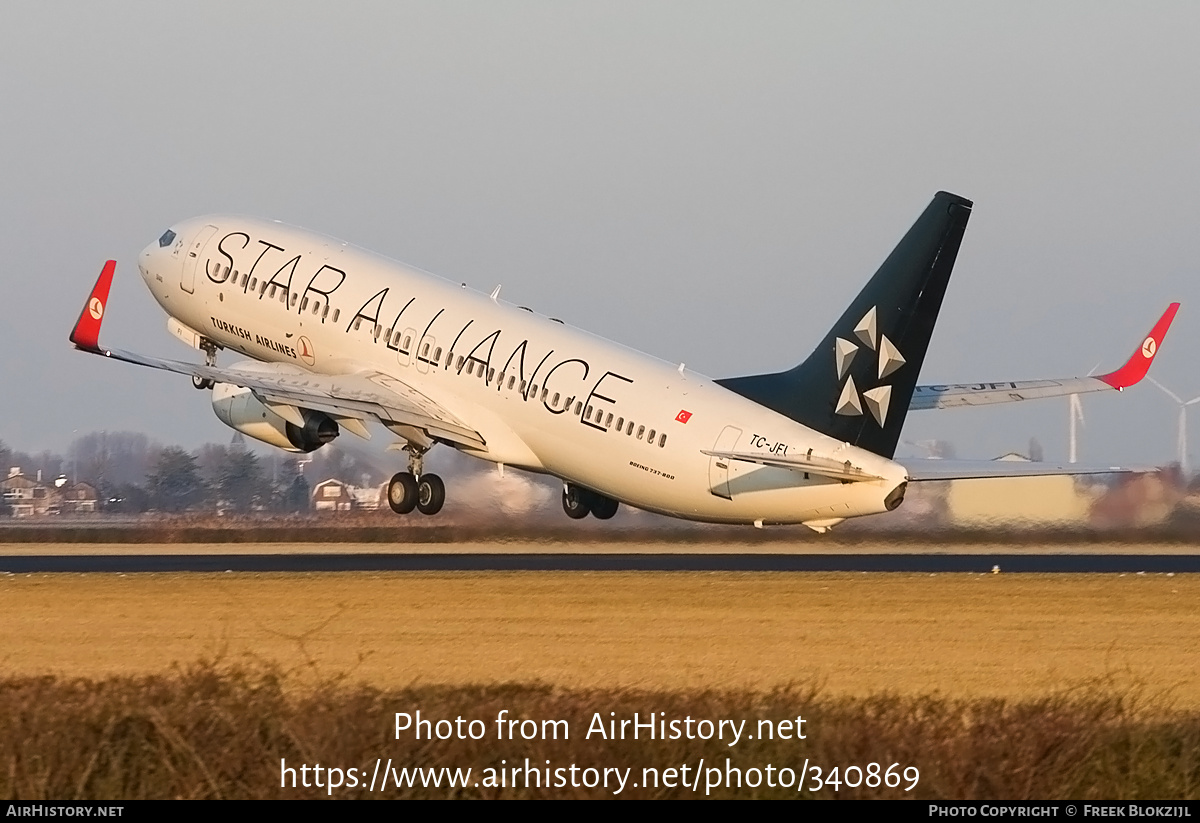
414,490
578,503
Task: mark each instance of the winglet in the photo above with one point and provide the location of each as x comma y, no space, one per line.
86,334
1137,365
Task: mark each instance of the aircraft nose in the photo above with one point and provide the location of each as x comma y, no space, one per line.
154,255
146,261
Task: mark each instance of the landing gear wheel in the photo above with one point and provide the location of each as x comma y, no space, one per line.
402,493
201,383
603,508
431,494
576,502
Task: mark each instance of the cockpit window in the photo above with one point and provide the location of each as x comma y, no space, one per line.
167,239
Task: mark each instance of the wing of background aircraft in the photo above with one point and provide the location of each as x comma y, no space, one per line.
347,398
982,394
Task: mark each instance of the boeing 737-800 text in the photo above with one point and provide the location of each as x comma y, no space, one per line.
338,337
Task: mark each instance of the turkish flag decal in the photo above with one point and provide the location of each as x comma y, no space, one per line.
683,416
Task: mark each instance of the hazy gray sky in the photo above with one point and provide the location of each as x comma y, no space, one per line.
708,182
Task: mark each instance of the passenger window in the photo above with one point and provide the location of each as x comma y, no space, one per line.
245,279
578,408
471,367
316,307
407,343
304,304
587,415
512,381
253,283
336,312
460,364
545,392
227,272
437,355
641,431
273,290
325,313
662,440
522,387
283,296
608,422
650,436
620,423
357,323
491,375
425,350
554,402
629,431
377,331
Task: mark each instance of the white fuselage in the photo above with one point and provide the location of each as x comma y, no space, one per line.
545,397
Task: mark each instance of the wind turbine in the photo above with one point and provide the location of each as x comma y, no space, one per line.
1076,410
1076,416
1183,466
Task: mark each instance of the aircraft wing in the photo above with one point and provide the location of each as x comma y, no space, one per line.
920,469
349,398
982,394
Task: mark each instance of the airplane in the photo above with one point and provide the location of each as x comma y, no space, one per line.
338,337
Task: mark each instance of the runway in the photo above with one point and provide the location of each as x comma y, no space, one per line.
741,562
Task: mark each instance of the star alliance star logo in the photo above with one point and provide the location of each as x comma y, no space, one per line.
850,403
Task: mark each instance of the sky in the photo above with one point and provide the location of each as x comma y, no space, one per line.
711,183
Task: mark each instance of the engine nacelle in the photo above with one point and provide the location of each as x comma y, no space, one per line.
238,408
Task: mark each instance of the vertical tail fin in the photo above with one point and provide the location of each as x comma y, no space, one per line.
857,384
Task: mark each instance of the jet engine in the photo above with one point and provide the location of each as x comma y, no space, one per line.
238,408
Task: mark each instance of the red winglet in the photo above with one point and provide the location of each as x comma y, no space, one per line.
86,334
1137,365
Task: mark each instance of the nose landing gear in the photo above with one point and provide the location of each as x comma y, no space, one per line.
210,359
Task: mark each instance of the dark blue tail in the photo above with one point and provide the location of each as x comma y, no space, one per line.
857,384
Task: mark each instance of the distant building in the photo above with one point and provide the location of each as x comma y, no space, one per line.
332,495
31,497
78,498
1052,501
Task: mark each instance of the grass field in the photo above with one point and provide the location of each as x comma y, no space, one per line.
960,636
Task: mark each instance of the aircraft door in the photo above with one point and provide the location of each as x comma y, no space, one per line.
424,354
718,467
188,276
408,342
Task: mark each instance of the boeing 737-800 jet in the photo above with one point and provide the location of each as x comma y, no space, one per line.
339,337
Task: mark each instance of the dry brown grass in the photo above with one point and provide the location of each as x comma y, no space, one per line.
961,636
210,732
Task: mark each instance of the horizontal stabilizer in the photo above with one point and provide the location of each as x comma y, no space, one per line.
823,466
933,469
